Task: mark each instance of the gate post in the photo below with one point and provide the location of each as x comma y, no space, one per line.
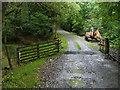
38,51
58,44
8,57
100,44
106,46
18,56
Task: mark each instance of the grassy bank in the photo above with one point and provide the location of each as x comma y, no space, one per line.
93,45
28,75
24,76
64,43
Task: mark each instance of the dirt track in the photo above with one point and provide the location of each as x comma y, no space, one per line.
85,68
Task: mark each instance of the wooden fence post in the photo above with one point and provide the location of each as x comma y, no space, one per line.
58,41
38,51
18,56
9,61
106,46
100,45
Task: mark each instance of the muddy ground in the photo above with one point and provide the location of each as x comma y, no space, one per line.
85,68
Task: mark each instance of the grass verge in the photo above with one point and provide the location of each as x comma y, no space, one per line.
93,45
28,75
64,40
77,45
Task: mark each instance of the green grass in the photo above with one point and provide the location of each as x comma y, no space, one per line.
77,45
47,49
93,45
12,54
28,75
64,40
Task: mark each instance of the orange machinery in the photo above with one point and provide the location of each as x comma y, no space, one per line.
93,35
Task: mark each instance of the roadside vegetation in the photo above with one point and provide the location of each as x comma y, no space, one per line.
27,23
90,15
77,45
93,45
28,75
64,41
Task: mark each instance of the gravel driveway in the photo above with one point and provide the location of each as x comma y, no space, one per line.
85,68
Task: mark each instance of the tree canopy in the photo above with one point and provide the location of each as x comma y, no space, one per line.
41,18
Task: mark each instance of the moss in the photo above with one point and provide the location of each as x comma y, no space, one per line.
76,71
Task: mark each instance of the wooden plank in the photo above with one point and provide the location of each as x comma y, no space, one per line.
28,55
46,51
36,53
49,52
35,48
29,52
54,52
27,59
37,44
33,59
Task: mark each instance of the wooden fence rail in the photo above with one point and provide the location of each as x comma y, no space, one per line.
36,51
110,48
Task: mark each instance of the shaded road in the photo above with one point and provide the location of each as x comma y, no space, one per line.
85,68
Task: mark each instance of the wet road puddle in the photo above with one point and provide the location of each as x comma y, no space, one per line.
76,83
76,71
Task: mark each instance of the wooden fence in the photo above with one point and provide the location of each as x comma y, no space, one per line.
36,51
110,48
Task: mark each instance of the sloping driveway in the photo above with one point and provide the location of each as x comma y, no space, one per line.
85,68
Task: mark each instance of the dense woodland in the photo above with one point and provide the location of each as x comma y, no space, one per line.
26,23
39,20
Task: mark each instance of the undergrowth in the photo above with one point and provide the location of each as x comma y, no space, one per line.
28,75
